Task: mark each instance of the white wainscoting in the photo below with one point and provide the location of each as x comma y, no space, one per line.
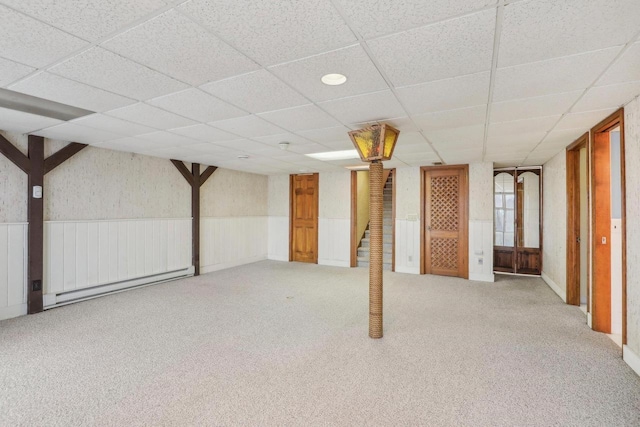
88,254
230,241
407,246
278,238
481,250
334,242
13,270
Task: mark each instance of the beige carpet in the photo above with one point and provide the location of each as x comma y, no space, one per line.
286,344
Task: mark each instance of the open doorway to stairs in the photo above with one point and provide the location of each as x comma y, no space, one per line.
360,219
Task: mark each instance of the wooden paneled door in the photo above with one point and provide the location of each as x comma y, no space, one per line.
303,244
445,221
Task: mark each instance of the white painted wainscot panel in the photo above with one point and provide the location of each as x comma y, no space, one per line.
481,250
408,245
13,270
87,258
334,242
278,238
230,241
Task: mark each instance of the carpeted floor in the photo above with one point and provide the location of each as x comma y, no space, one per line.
286,344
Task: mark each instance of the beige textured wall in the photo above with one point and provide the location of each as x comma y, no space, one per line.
481,191
278,196
13,184
632,159
106,184
335,195
362,202
554,214
231,193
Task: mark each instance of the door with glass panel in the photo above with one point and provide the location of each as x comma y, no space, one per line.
517,221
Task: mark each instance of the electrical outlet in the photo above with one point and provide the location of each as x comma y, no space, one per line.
480,261
36,285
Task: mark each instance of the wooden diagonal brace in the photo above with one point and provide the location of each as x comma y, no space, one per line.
15,155
207,173
61,156
183,170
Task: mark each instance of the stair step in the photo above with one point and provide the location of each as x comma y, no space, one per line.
364,251
366,242
385,259
365,264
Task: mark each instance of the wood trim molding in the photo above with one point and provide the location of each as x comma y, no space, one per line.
14,155
62,156
393,219
353,262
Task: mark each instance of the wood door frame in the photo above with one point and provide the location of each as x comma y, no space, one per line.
612,121
354,216
573,218
465,220
317,180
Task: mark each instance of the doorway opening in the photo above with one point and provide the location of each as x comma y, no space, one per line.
578,235
444,220
303,228
608,222
360,219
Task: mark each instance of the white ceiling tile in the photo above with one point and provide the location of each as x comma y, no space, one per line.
112,124
58,89
177,153
31,42
130,144
17,121
256,92
248,126
524,139
76,133
602,97
208,148
372,107
148,115
403,124
246,145
538,106
197,105
11,71
89,19
164,139
469,136
452,118
352,62
625,69
204,133
585,120
300,118
447,94
174,45
447,49
551,76
106,70
461,157
291,138
562,137
498,152
373,18
410,142
274,32
543,29
343,144
308,148
331,134
524,126
536,161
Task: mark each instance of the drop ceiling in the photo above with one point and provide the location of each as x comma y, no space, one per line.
510,82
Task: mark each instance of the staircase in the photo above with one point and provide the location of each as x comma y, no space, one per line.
387,229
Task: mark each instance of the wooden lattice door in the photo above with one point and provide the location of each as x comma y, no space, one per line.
445,221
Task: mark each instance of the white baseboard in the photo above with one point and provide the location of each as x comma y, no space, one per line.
13,311
334,262
222,266
278,258
482,277
554,286
408,270
631,359
56,300
589,320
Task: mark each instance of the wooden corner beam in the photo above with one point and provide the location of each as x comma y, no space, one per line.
14,155
62,156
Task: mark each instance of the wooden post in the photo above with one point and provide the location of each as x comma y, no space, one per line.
195,213
36,225
195,180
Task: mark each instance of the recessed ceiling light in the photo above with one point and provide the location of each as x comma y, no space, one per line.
335,155
243,156
334,79
284,145
358,167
